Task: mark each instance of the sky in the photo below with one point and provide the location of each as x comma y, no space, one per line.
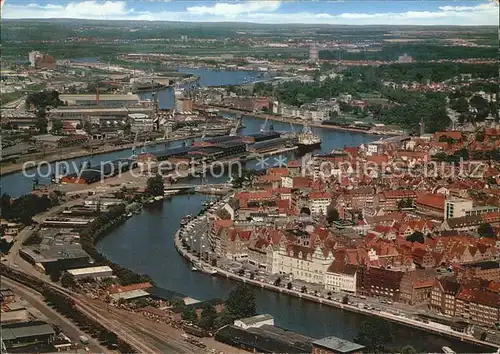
344,12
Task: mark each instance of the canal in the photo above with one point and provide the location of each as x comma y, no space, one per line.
145,244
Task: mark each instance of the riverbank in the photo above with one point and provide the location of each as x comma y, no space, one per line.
6,170
428,327
300,122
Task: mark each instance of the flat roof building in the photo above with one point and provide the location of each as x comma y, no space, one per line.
91,272
255,321
105,100
334,345
26,333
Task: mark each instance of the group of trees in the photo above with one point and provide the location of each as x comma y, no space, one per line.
473,108
418,51
405,203
155,186
240,303
413,107
331,214
22,209
41,102
486,230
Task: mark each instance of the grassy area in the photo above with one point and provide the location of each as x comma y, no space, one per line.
12,96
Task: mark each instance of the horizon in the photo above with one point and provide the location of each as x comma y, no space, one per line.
327,13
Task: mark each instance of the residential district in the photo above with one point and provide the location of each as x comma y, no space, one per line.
404,229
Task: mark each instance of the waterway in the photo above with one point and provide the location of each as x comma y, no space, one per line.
145,244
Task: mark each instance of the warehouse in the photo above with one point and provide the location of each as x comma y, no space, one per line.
232,148
257,137
168,153
265,339
216,140
103,100
267,145
27,333
91,272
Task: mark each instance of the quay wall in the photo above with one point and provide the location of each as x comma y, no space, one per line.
387,316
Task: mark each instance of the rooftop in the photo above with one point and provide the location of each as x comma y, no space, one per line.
26,329
256,319
338,345
102,97
89,270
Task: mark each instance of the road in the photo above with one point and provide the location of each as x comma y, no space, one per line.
36,300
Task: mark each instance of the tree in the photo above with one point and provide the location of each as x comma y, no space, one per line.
303,289
87,126
417,236
57,126
331,214
486,230
345,300
155,186
408,349
375,334
208,316
127,129
189,315
241,302
405,203
67,280
289,285
55,275
277,282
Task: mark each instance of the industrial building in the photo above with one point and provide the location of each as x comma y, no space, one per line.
100,272
94,114
59,250
27,333
265,339
255,321
141,122
102,100
334,345
258,137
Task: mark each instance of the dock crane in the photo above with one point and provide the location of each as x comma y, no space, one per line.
234,130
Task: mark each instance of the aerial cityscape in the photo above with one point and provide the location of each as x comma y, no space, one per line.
250,176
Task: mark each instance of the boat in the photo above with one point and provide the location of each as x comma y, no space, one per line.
447,350
307,141
159,197
129,215
204,269
194,268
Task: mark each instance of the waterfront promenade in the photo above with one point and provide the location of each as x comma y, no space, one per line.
432,327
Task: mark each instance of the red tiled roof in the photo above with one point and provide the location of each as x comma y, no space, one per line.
431,200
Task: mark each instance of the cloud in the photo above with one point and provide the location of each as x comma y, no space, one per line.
81,10
229,10
485,13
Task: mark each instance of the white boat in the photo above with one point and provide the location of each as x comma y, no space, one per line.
159,197
447,350
129,215
205,269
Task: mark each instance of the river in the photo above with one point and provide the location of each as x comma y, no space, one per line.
145,244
